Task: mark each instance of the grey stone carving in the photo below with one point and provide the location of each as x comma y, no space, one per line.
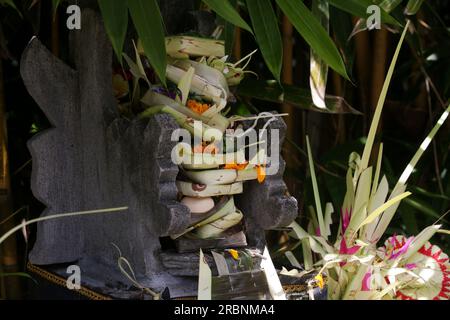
94,159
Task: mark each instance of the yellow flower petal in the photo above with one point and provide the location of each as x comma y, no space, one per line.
319,280
236,166
261,172
234,254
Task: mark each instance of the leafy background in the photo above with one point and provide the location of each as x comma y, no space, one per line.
291,35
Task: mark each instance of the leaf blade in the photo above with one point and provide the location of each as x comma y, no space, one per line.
149,26
377,115
413,6
224,9
115,18
313,33
318,67
359,8
320,219
267,33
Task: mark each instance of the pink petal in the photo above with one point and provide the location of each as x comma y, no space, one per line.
402,250
366,282
410,266
346,215
345,250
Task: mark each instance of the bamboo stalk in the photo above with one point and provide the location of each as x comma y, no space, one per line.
287,75
55,34
341,127
237,48
363,58
8,257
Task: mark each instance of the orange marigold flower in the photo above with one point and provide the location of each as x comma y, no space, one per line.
261,173
233,165
197,107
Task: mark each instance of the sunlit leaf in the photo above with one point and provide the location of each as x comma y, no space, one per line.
387,216
318,67
371,217
313,33
388,5
298,97
358,8
377,115
413,6
312,171
224,9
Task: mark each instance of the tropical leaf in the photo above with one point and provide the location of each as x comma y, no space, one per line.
377,170
149,26
115,17
11,4
313,33
422,207
55,5
423,147
377,199
329,210
371,217
401,184
377,115
228,32
307,254
298,97
224,9
323,230
388,5
299,233
318,67
267,33
360,203
413,6
358,8
16,274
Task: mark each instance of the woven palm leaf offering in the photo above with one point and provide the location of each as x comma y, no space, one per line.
216,154
211,170
352,264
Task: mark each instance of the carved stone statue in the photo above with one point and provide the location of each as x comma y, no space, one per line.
93,158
